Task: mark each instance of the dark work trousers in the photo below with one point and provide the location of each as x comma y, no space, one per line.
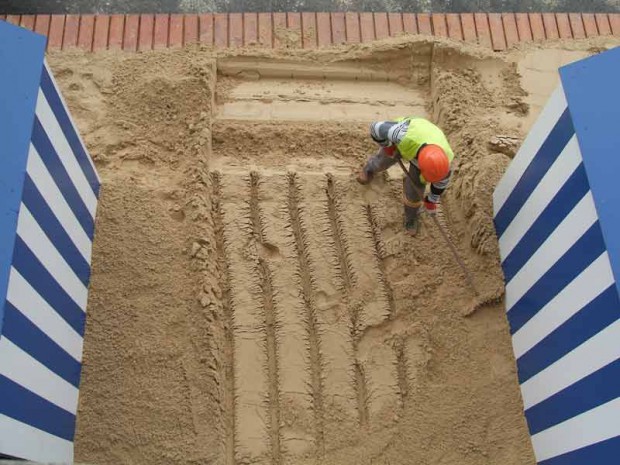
411,195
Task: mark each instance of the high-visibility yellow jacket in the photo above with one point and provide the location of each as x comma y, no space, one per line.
419,132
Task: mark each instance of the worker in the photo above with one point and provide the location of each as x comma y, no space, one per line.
428,152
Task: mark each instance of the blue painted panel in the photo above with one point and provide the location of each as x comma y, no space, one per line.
48,288
562,204
593,93
547,154
591,319
21,62
590,392
54,165
25,406
587,249
601,453
28,337
42,213
70,132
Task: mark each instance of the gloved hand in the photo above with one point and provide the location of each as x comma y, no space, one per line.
429,206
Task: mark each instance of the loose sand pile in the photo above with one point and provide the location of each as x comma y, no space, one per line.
250,303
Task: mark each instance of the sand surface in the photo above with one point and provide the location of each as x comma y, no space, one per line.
251,303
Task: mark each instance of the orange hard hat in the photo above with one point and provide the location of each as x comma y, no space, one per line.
433,162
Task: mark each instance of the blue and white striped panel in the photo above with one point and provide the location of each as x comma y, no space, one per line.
41,343
561,299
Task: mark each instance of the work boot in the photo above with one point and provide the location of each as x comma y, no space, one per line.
412,224
364,177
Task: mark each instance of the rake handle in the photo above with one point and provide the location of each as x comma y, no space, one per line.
455,253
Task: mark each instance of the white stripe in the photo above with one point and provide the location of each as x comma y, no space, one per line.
23,297
31,233
561,240
579,293
31,374
597,352
549,116
589,428
545,191
67,157
23,441
62,99
57,203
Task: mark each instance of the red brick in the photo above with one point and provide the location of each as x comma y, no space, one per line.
293,23
324,29
161,31
235,30
469,27
454,26
146,33
87,31
551,26
308,24
57,29
190,28
13,19
424,24
440,28
482,29
395,23
563,26
117,31
175,39
102,28
409,23
339,29
250,28
614,21
602,22
130,38
72,28
381,25
589,25
206,29
27,22
42,24
538,26
367,27
265,29
352,23
497,31
523,27
220,30
279,28
510,28
576,24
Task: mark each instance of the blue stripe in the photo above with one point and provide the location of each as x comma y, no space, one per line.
28,337
602,453
54,231
562,204
52,161
594,390
546,155
29,266
568,267
27,407
594,317
69,130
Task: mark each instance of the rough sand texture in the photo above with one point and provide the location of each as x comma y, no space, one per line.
250,302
